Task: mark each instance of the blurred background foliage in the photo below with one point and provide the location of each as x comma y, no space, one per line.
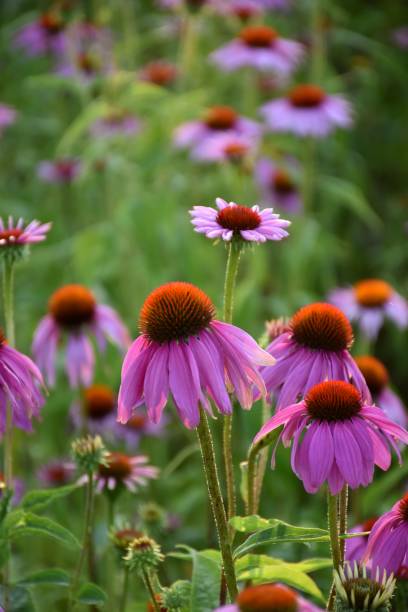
123,227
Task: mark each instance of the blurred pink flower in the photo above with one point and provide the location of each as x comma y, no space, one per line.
8,116
278,185
64,170
43,36
115,123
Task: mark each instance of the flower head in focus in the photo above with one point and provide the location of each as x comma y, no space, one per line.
15,237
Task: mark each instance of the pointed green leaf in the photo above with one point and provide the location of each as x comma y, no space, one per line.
55,576
31,524
285,573
250,561
349,195
91,594
41,498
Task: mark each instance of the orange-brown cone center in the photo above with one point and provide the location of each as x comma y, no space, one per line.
137,422
175,311
220,117
160,73
374,372
124,537
369,524
282,183
306,96
8,237
333,400
51,22
238,218
235,151
99,401
57,474
322,326
403,508
267,598
118,466
372,293
72,306
258,36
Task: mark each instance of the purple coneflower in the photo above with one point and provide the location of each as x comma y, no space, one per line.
388,541
59,171
343,440
243,9
217,120
377,379
223,148
20,380
124,470
400,37
97,408
268,598
370,302
185,352
7,116
13,234
159,72
260,47
115,123
307,111
356,547
232,221
315,349
278,186
74,313
43,36
56,473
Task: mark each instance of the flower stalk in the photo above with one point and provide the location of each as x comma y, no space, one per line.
335,547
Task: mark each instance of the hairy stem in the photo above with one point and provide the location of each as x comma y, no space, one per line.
149,587
217,504
343,503
333,525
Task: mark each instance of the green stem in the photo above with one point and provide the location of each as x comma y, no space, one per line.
263,458
343,503
234,254
188,48
214,492
8,304
317,53
308,174
333,524
251,480
87,535
125,588
149,587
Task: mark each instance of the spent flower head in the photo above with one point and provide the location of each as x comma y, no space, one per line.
355,591
143,554
89,453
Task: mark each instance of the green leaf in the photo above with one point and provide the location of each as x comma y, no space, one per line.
350,196
206,578
276,532
91,594
41,498
283,572
57,577
20,599
249,562
31,524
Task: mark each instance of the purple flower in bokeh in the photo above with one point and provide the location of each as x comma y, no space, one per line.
356,547
56,473
218,120
308,111
64,170
74,313
96,408
277,185
243,9
224,148
18,492
316,348
388,541
88,52
184,352
268,598
262,48
7,116
160,72
43,36
138,427
20,380
236,221
277,5
343,439
377,379
124,471
370,302
115,123
400,37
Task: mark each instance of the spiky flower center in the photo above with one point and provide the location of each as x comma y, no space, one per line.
237,218
99,401
322,326
118,466
137,422
372,293
306,96
124,537
160,72
374,372
267,598
175,311
333,400
9,237
403,508
282,183
72,306
51,22
220,117
258,36
364,590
